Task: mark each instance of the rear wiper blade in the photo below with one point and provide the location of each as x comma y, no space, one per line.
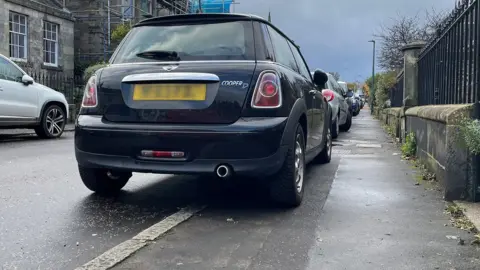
160,55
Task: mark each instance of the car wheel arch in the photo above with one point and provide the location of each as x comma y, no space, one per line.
298,114
49,103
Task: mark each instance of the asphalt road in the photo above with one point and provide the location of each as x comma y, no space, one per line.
49,220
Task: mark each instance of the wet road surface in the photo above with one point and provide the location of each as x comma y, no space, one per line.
371,217
49,220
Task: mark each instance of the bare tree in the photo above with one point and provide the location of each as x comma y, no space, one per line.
403,30
335,75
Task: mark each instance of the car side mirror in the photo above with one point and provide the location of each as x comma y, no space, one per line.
27,79
320,77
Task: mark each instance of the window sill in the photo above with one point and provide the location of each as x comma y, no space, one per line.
52,67
20,60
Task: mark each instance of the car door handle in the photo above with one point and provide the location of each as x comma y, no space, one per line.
313,92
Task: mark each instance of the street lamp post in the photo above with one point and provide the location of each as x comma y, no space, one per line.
372,91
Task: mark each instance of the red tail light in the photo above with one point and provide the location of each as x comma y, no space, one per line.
90,94
328,94
267,93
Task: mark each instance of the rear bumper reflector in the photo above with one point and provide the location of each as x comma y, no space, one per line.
162,154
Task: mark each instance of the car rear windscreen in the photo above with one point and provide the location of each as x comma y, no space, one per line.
232,40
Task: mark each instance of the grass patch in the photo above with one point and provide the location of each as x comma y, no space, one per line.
423,176
389,130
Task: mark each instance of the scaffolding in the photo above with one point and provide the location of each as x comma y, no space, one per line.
174,6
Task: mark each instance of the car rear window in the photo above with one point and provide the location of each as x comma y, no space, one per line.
231,40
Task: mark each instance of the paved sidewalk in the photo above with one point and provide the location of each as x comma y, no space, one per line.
377,218
14,132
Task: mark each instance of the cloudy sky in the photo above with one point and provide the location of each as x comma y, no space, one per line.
333,34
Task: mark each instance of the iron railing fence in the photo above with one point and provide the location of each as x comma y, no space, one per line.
448,66
396,92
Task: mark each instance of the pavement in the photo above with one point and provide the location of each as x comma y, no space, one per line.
361,211
471,211
23,132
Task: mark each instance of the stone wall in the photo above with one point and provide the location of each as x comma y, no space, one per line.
38,13
393,117
439,146
90,29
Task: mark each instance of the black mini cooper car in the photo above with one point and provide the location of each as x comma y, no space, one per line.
220,94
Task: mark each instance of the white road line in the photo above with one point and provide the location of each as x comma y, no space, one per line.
122,251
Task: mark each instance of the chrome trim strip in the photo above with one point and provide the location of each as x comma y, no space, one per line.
187,62
187,76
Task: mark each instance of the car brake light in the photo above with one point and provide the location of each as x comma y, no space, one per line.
328,94
267,93
90,93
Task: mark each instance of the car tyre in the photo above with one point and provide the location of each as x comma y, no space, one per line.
52,123
287,185
102,182
348,124
326,155
335,128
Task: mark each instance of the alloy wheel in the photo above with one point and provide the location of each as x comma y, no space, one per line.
329,142
299,164
55,121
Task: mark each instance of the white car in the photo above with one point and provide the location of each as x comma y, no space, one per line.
27,104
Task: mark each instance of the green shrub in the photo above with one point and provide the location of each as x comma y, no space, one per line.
470,135
409,148
120,32
383,83
92,69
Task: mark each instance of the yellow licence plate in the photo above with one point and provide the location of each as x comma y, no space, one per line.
173,92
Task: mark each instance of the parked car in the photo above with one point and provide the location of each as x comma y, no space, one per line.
349,97
355,103
360,101
361,95
337,98
27,104
204,94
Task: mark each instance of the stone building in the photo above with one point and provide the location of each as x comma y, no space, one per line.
38,35
96,19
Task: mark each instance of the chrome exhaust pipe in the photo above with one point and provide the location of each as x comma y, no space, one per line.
223,171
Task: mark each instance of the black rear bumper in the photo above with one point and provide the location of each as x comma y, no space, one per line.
252,147
246,167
